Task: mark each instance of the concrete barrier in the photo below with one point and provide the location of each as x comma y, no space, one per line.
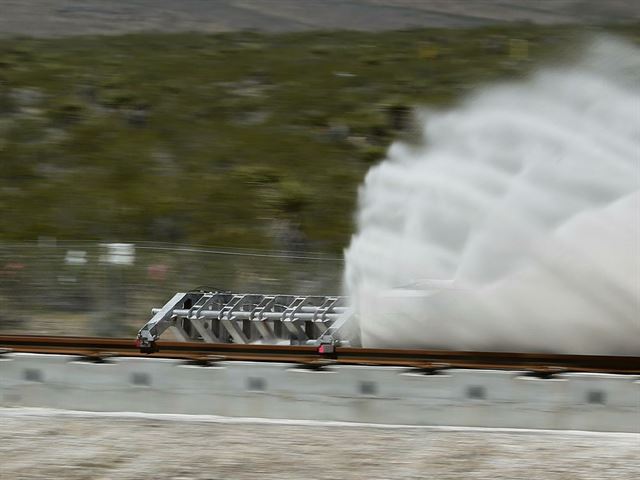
392,395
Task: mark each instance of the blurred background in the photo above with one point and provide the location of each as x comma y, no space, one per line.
149,147
156,146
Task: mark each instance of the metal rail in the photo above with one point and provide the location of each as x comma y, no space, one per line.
100,349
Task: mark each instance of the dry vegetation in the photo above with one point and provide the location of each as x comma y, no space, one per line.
237,139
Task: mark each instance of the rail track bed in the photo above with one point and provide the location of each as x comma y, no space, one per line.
101,349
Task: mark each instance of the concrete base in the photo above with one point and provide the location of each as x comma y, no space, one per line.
386,395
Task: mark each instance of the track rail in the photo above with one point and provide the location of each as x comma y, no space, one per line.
100,349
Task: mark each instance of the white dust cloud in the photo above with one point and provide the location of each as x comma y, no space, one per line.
516,226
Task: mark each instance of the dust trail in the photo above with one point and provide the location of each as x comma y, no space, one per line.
516,226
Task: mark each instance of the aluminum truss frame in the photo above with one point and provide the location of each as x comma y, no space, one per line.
223,317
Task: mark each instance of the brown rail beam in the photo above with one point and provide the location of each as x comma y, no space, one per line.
426,359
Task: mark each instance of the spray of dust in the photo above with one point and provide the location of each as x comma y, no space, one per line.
516,226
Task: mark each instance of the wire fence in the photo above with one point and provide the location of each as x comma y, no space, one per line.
66,288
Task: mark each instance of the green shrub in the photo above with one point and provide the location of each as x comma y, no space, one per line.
67,111
293,196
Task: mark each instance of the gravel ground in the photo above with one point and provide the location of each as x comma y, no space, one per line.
40,444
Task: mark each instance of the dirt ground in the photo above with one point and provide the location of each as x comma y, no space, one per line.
41,444
46,18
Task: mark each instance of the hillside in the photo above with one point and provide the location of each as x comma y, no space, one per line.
239,139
